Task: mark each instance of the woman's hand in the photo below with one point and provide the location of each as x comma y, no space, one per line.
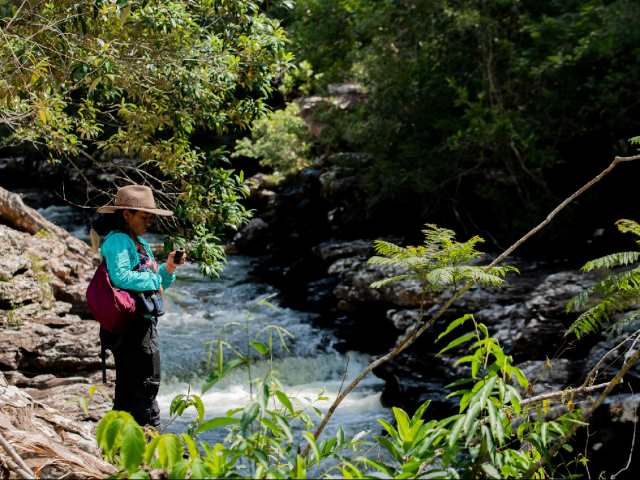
170,266
160,290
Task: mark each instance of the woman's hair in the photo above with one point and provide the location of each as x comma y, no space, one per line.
118,222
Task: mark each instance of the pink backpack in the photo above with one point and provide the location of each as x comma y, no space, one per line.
113,308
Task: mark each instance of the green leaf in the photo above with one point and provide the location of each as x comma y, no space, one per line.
260,347
216,422
418,415
191,446
285,401
455,431
340,435
486,391
284,425
200,469
179,470
199,407
250,413
170,451
402,420
175,404
389,428
314,446
216,376
133,447
391,448
491,471
454,324
387,471
149,451
263,395
457,342
471,416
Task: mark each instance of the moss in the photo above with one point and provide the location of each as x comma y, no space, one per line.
44,234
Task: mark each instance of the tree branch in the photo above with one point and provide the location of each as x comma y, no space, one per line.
584,417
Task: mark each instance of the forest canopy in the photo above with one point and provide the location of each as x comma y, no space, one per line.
478,106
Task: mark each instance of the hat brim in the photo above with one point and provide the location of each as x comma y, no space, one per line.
155,211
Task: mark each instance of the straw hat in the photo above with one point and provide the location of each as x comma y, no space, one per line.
135,197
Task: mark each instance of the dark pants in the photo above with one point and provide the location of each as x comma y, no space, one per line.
137,359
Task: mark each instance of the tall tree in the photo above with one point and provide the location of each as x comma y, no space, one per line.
104,79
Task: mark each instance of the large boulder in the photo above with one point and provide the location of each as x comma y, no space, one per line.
252,236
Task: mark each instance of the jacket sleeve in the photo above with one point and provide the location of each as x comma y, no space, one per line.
167,278
116,252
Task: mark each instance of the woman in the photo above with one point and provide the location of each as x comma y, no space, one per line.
131,266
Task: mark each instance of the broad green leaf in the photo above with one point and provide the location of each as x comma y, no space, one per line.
402,419
179,470
491,471
200,469
216,422
391,448
150,450
133,446
191,446
170,451
389,428
175,404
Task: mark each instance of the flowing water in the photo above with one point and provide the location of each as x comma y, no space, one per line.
198,307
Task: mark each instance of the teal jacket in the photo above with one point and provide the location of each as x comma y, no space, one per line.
121,254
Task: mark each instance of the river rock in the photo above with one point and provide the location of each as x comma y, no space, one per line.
252,236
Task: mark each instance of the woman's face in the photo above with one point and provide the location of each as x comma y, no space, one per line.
139,222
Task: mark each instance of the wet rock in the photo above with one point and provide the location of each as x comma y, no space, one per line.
35,347
538,338
333,250
561,374
403,319
252,236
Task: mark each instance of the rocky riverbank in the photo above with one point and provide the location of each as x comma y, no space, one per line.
49,343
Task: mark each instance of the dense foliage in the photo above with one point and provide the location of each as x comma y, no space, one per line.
476,106
103,79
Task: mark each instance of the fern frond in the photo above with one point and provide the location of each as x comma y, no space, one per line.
383,282
592,319
609,261
619,281
625,225
630,322
635,140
